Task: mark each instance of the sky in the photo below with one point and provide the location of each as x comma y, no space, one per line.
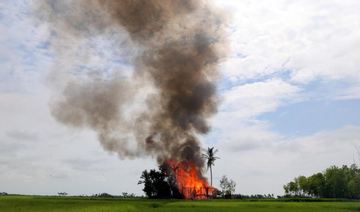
289,89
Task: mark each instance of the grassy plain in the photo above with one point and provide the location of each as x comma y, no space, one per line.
84,204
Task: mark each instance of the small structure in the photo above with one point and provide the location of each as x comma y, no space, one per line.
201,193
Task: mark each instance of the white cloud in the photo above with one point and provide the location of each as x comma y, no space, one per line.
23,61
311,40
350,93
236,127
253,99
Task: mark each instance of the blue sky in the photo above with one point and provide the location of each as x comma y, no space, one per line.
309,117
290,93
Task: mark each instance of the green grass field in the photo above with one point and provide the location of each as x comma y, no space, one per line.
82,204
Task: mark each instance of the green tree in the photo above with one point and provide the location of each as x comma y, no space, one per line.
317,184
227,186
352,189
157,184
303,185
209,154
223,184
334,182
286,188
231,186
294,187
357,186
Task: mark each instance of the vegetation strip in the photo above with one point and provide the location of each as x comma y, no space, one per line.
82,204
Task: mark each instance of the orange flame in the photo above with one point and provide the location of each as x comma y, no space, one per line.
189,180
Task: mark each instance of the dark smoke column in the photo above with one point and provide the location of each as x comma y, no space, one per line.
179,46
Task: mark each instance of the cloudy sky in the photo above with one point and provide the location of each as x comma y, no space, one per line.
290,91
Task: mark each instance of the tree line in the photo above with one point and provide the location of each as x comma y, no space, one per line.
334,182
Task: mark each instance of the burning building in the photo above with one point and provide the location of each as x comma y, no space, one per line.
176,47
189,180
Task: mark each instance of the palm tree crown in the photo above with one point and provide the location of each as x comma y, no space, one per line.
209,154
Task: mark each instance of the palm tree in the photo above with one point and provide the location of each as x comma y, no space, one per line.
209,154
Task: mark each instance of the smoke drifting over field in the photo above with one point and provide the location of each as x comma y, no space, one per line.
174,47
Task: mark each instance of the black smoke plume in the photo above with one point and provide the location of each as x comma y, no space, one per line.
174,47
